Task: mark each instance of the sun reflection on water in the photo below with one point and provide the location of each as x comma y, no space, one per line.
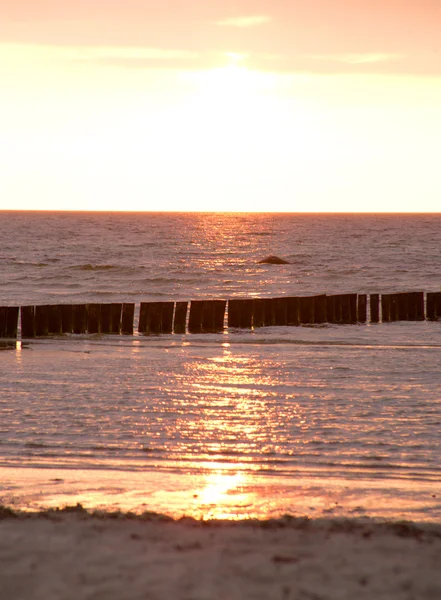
232,392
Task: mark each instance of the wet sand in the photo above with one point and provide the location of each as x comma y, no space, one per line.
72,553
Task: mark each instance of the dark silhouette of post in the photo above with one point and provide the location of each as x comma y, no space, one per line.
306,310
94,318
433,306
417,300
394,307
155,317
320,312
127,318
374,304
219,314
115,317
269,316
234,307
3,320
67,318
280,311
27,321
167,317
330,309
258,312
41,320
195,318
79,318
9,321
240,313
338,308
403,306
346,308
293,311
352,308
180,317
385,308
362,308
54,320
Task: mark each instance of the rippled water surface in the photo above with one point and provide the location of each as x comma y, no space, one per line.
310,420
90,257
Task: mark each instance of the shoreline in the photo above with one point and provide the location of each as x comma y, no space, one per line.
71,552
400,527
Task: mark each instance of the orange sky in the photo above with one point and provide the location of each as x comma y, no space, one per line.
233,105
312,35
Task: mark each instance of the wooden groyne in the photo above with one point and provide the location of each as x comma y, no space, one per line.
209,316
46,320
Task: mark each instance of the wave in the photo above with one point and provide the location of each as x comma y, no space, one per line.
89,267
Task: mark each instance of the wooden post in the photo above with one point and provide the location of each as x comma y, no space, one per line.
430,306
280,311
115,317
79,318
433,306
180,317
330,309
213,313
374,303
54,319
27,321
293,311
41,320
219,314
240,313
438,305
207,319
156,317
362,308
415,306
234,309
195,318
352,308
167,317
3,321
306,310
403,306
320,309
338,308
269,317
346,316
394,307
258,312
142,317
66,318
419,305
94,318
246,313
105,318
385,308
127,318
9,321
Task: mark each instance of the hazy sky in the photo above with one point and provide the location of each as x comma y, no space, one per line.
301,105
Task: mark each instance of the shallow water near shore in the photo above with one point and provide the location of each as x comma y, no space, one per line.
307,421
316,421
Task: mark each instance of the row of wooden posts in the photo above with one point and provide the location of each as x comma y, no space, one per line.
207,316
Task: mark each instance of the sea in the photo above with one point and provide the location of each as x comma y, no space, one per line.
317,421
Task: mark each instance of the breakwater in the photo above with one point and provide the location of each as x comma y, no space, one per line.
212,316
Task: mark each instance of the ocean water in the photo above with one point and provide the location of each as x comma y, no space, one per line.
317,420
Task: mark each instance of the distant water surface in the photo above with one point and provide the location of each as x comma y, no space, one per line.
66,257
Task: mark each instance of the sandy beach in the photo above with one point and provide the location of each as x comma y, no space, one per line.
72,553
